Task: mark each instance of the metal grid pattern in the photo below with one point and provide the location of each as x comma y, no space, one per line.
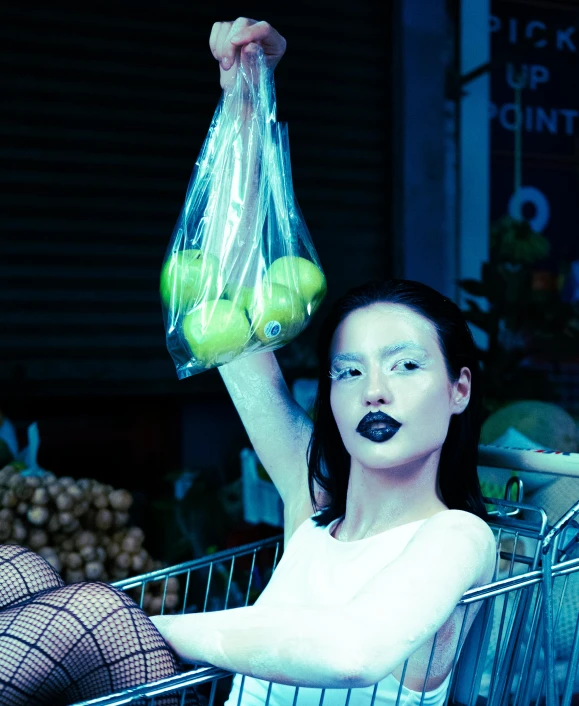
513,655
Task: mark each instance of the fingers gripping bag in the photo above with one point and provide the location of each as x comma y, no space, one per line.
240,274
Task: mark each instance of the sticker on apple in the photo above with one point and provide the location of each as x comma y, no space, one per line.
272,329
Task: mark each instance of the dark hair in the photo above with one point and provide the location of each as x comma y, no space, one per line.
328,460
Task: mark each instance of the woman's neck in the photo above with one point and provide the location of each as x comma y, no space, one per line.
380,499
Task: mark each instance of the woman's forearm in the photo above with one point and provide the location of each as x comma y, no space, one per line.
283,644
278,427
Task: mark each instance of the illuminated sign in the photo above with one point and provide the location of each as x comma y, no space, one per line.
534,48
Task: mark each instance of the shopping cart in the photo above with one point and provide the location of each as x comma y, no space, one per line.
512,655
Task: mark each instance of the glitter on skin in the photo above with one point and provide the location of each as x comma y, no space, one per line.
379,339
389,514
257,399
377,501
272,418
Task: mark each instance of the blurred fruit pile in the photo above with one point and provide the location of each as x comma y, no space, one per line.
81,527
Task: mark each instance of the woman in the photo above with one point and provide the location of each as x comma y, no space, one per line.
384,521
382,526
375,561
383,515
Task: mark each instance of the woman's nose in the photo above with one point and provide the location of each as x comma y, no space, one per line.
377,390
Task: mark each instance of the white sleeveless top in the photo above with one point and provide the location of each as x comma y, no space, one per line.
318,569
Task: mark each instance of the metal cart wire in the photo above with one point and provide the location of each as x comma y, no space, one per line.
522,649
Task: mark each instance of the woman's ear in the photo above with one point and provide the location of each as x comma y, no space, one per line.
461,392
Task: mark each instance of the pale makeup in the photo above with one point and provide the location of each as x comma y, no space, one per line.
387,358
278,428
384,358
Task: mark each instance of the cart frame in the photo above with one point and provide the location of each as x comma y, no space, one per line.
511,643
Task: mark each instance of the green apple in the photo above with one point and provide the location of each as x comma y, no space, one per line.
277,313
240,295
187,277
302,276
216,331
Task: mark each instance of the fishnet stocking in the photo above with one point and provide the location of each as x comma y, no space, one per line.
23,574
61,644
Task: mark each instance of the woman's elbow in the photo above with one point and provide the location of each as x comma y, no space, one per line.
357,666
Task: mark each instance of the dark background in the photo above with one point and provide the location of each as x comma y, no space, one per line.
103,114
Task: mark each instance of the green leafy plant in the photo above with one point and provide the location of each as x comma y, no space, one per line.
521,318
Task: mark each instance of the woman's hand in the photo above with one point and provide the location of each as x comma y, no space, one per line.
228,40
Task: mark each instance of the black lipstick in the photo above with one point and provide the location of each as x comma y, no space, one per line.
368,429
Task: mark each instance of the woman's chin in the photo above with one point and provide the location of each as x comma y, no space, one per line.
386,457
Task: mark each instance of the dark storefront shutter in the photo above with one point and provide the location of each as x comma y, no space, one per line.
103,116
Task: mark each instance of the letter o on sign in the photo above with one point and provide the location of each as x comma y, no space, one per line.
531,195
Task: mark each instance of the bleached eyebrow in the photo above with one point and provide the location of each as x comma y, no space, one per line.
385,352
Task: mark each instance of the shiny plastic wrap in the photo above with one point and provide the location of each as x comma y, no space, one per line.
240,274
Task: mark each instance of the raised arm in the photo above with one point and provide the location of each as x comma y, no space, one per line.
278,428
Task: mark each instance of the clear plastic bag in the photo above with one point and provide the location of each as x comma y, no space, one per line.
241,274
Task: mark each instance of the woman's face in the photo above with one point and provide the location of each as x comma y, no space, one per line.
390,393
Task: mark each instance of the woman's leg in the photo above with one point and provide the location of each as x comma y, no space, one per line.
75,642
24,574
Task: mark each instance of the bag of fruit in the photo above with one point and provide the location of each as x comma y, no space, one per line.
240,274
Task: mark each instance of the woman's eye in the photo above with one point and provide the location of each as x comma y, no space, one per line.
406,365
345,373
